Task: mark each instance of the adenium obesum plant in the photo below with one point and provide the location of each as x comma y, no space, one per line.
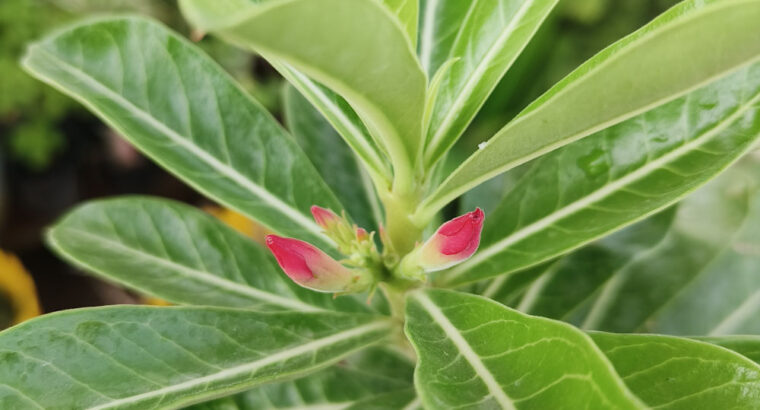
311,268
529,298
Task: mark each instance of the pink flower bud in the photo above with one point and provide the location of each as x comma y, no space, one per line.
361,235
454,242
311,268
325,218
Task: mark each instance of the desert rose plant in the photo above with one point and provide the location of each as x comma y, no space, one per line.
365,295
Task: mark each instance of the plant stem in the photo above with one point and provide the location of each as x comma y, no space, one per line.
396,298
402,232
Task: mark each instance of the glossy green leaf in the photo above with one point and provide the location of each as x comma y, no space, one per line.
485,38
672,373
181,254
176,105
334,160
406,13
747,346
514,288
597,185
398,400
587,270
395,400
688,271
476,353
665,59
360,52
373,375
150,358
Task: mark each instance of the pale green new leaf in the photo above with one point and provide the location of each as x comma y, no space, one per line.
181,254
406,13
672,373
371,376
334,160
176,105
617,176
688,46
156,358
476,353
484,37
691,270
360,51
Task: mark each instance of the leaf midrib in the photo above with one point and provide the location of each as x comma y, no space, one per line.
363,148
465,349
602,193
426,40
476,75
202,276
246,368
175,137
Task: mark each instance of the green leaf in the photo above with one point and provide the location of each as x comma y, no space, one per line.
485,38
661,61
689,271
334,160
552,294
181,254
474,352
360,52
406,13
747,346
343,118
402,399
514,288
673,373
176,105
371,376
617,176
148,358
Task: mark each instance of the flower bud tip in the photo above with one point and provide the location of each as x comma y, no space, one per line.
454,242
311,268
325,218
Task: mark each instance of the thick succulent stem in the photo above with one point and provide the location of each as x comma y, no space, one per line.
401,232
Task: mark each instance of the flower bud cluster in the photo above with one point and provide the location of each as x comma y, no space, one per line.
312,268
308,266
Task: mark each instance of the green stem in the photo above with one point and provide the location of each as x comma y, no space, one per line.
396,297
396,300
401,231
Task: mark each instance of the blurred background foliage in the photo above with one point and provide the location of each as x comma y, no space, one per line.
53,154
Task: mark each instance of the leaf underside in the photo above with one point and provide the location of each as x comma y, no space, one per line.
386,87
